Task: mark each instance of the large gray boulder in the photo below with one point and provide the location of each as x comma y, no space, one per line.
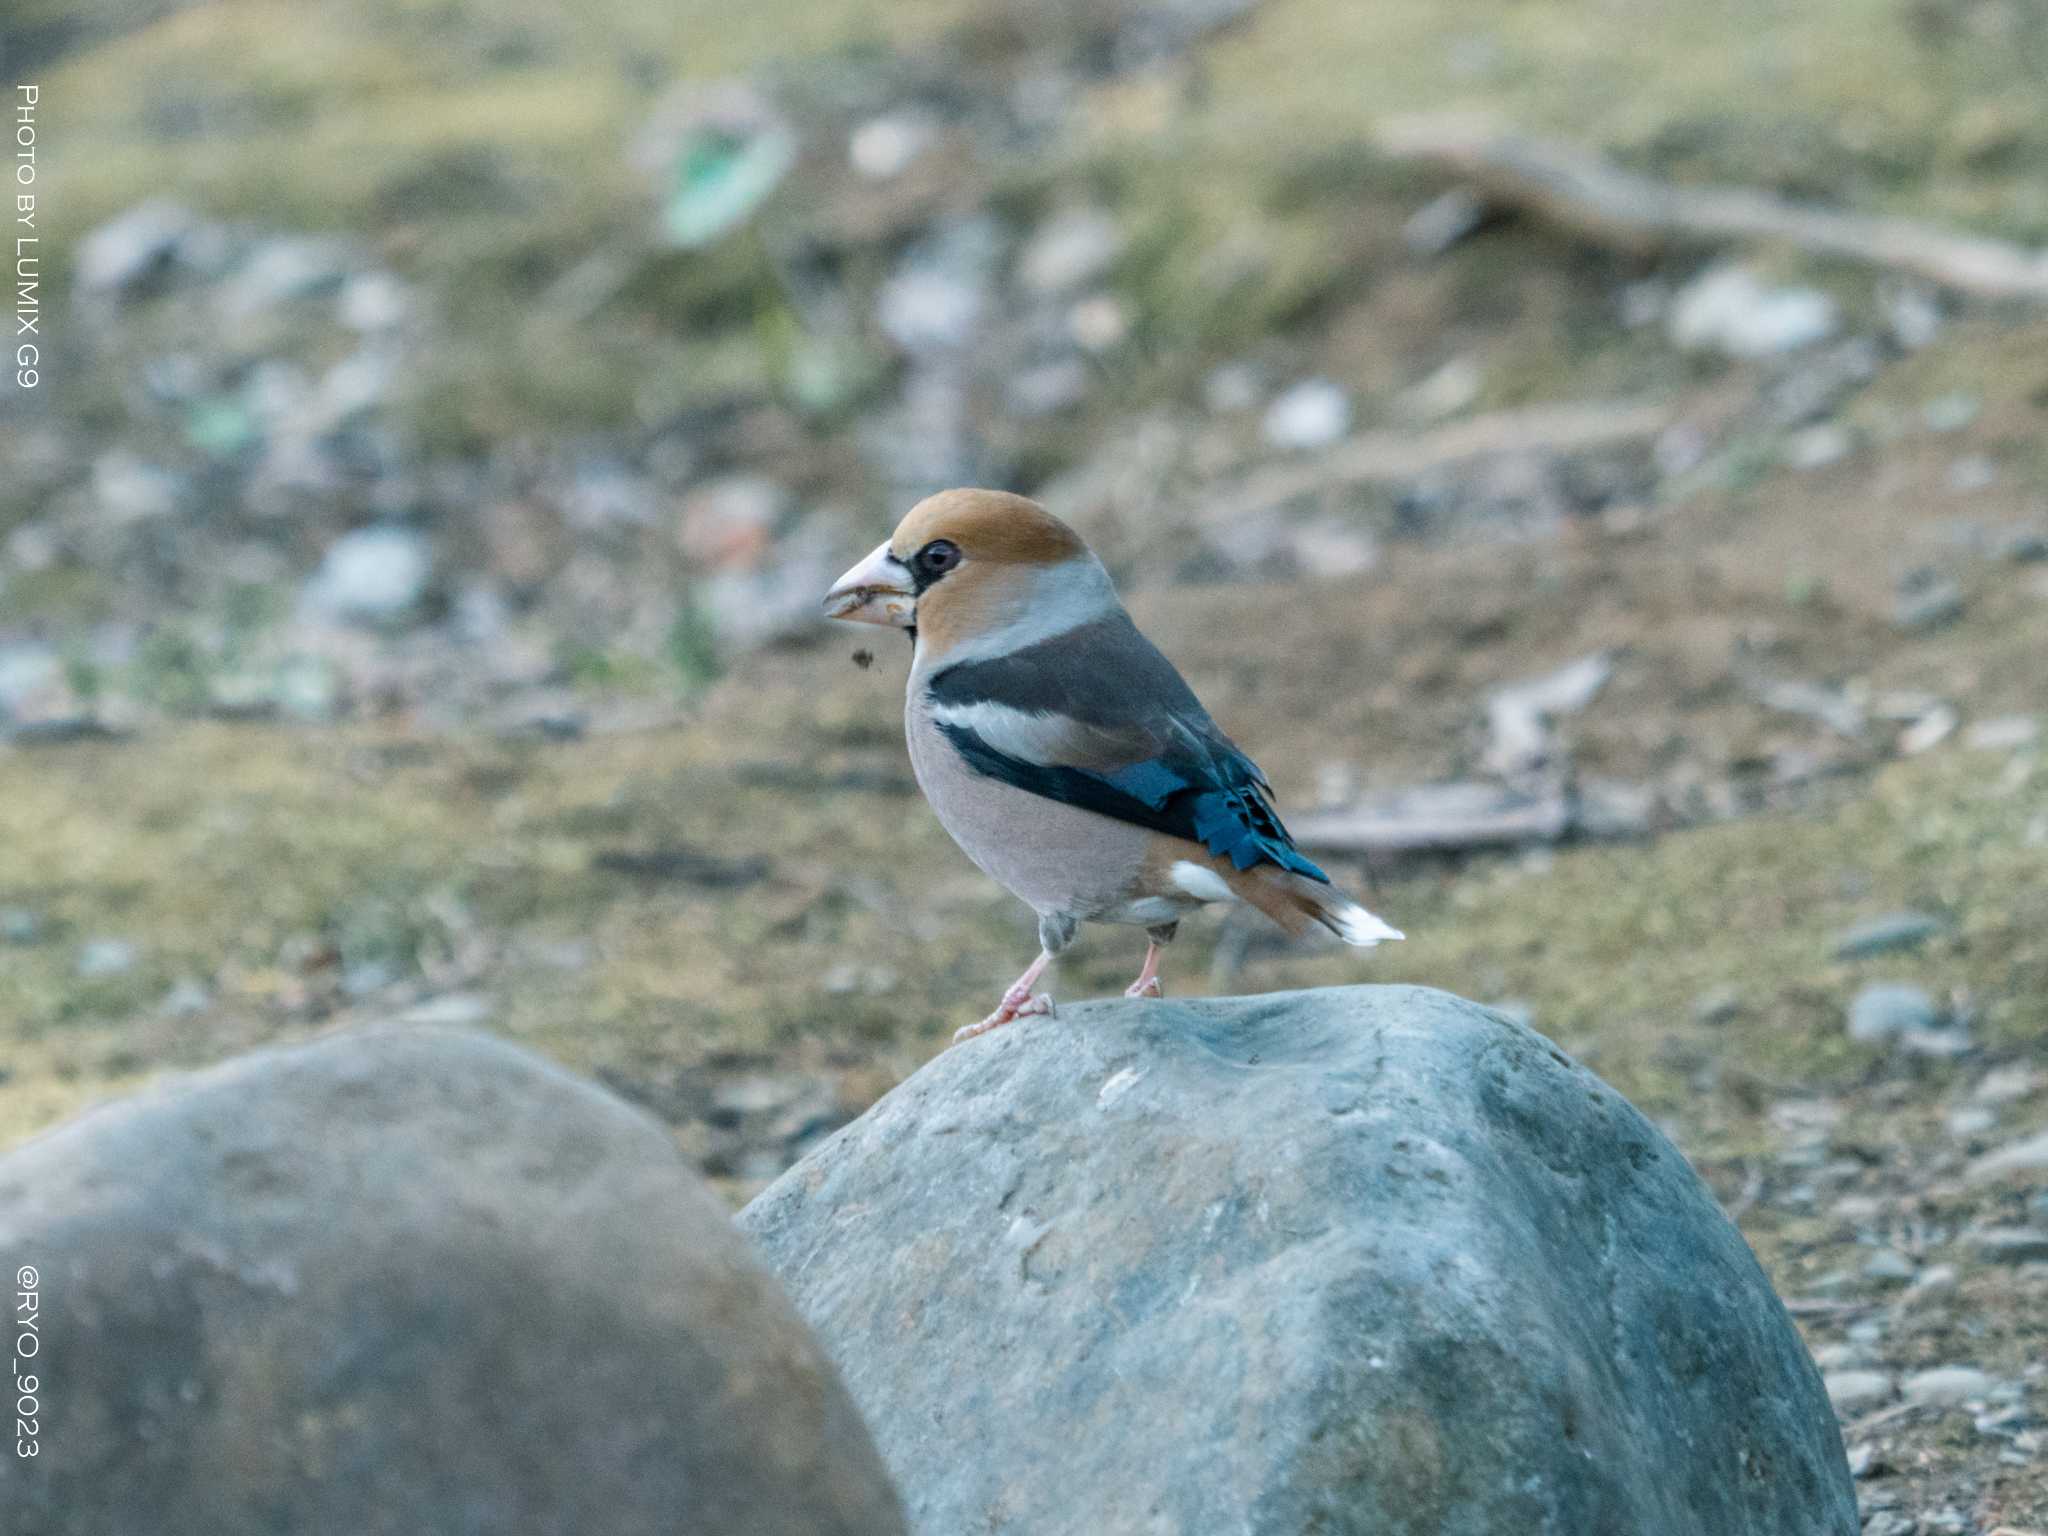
407,1282
1368,1260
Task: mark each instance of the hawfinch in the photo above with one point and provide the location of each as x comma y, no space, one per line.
1062,751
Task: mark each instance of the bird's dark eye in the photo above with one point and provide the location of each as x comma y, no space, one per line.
936,558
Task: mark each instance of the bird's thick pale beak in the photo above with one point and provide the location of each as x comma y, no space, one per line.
877,591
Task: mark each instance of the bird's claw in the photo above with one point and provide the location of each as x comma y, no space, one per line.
1025,1008
1147,987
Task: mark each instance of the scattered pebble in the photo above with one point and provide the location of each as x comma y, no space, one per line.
1818,446
1929,731
1884,1011
1720,1006
2011,1245
1884,935
132,251
1443,221
1912,313
2009,1084
20,925
1972,472
1449,390
451,1009
281,270
372,302
2026,1156
1098,323
1946,1386
1857,1391
1967,1122
1072,250
128,489
99,959
1730,309
939,294
1232,387
885,147
1643,303
1047,389
372,575
1935,1277
2004,733
186,998
1950,412
1888,1266
1312,414
1928,605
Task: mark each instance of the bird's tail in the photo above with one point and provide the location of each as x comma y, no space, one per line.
1298,903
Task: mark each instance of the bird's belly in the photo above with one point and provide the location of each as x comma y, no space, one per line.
1056,857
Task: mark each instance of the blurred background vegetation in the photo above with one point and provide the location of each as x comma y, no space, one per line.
452,410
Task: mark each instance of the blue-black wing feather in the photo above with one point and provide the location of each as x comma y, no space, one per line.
1181,775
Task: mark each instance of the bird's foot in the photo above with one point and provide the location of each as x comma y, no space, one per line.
1145,986
1011,1007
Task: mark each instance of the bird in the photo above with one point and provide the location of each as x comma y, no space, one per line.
1061,749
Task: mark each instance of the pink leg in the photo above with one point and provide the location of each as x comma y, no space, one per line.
1017,1003
1147,984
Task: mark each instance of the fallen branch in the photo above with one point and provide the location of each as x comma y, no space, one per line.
1393,457
1439,818
1599,200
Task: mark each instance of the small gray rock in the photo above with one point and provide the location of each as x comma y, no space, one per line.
1720,1006
1071,251
1971,472
1046,389
373,575
1858,1391
1312,414
31,676
1729,309
2011,1245
129,253
1912,313
1884,935
99,959
1883,1011
1443,221
2002,733
405,1281
1947,1386
1818,446
1367,1259
281,270
1888,1266
1232,387
1951,412
1928,606
129,489
20,925
2028,1156
938,296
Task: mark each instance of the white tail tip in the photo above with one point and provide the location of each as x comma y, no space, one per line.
1355,925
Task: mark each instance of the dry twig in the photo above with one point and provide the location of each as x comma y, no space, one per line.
1614,207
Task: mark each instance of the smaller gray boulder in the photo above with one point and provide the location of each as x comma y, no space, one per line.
409,1281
